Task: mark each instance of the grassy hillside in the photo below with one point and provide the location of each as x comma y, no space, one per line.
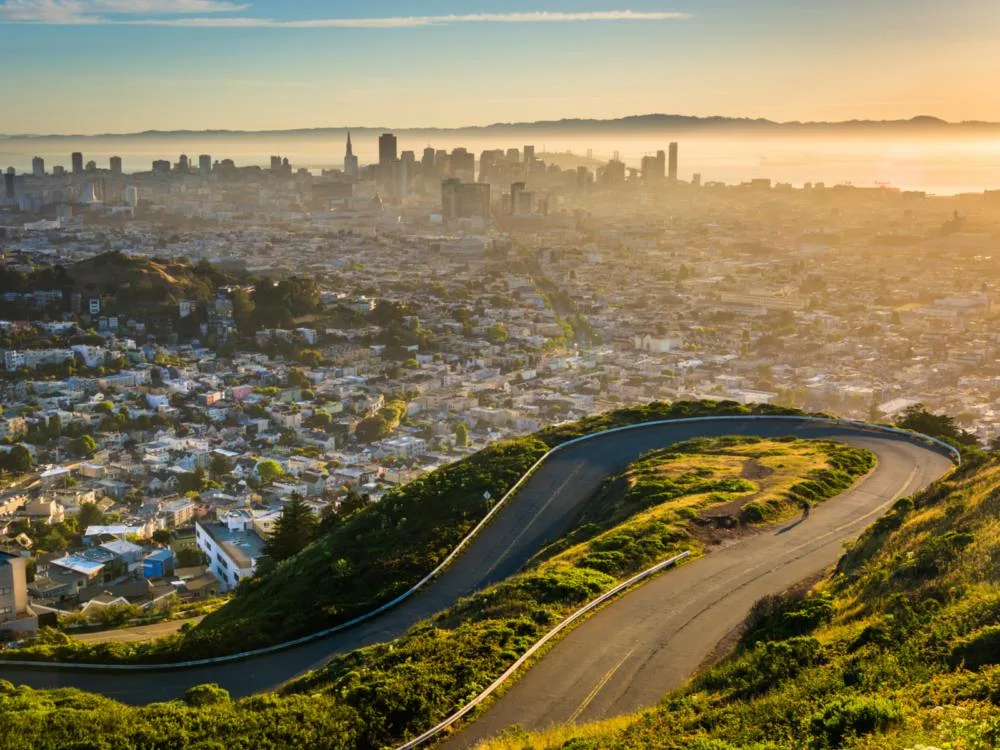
378,695
140,281
377,554
898,648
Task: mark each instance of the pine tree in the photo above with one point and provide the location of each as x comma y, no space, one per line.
295,529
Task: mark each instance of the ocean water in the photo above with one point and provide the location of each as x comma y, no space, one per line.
938,165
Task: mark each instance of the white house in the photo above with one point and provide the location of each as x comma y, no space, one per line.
232,547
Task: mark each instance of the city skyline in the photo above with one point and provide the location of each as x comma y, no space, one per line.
100,66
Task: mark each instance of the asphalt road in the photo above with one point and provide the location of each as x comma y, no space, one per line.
539,514
650,641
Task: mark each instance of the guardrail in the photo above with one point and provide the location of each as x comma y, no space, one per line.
586,609
243,655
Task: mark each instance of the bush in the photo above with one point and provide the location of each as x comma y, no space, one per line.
205,695
852,717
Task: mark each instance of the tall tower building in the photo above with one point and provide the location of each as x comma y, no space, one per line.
77,159
116,165
672,169
205,164
350,160
38,166
387,156
8,183
183,165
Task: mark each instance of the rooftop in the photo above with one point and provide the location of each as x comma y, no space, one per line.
243,547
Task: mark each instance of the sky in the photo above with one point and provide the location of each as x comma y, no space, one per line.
100,66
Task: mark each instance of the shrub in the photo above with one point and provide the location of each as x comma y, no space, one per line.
205,695
852,717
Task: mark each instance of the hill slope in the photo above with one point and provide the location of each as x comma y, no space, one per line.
899,647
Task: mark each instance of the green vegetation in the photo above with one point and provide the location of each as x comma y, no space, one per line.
898,648
378,695
382,424
295,529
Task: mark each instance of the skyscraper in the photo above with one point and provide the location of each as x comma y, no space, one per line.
386,161
275,163
427,164
77,158
38,166
183,165
672,170
350,160
116,165
205,164
8,183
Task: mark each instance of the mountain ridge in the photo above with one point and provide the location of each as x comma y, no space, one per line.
638,122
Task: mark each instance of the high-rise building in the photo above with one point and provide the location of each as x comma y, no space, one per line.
275,163
529,157
465,200
205,164
672,171
38,166
462,165
91,166
8,183
77,159
350,160
132,195
183,165
427,164
161,166
58,171
387,155
654,167
696,180
116,165
513,156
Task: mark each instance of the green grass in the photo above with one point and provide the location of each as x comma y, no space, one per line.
377,696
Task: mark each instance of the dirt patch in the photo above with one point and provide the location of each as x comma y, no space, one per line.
754,469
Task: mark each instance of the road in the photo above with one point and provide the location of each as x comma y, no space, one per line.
540,513
650,641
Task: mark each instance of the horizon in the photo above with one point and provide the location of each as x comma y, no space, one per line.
623,119
104,66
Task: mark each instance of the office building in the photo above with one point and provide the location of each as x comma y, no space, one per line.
654,167
465,200
462,165
696,180
275,163
387,156
132,196
672,172
8,183
205,164
116,165
183,164
38,166
77,159
350,160
529,157
161,166
58,171
427,164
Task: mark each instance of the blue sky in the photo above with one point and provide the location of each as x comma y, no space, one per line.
84,66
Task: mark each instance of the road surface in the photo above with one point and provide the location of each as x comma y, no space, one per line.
543,509
650,641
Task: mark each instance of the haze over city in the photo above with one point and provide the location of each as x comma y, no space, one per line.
499,375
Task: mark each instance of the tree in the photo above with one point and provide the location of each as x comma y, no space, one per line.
320,420
90,515
17,460
84,446
461,435
219,467
191,481
161,537
497,333
189,557
295,529
269,471
918,419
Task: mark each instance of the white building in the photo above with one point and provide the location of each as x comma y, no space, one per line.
232,546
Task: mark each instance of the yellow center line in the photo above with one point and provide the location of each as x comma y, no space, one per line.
600,686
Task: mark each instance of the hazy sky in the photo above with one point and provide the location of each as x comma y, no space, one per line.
85,66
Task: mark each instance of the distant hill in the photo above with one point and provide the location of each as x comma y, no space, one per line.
143,282
633,123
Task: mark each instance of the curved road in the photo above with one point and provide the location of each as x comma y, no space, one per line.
538,514
650,641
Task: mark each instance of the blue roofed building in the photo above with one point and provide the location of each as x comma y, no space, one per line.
158,564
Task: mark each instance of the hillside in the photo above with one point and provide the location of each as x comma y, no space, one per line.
136,280
376,696
898,648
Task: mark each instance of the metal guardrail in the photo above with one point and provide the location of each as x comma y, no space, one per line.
319,635
540,643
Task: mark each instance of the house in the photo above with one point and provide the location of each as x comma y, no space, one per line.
128,553
232,546
197,582
178,512
15,614
158,564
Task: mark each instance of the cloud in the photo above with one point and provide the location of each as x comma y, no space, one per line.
93,12
63,12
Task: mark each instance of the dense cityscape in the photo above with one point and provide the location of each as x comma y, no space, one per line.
189,349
